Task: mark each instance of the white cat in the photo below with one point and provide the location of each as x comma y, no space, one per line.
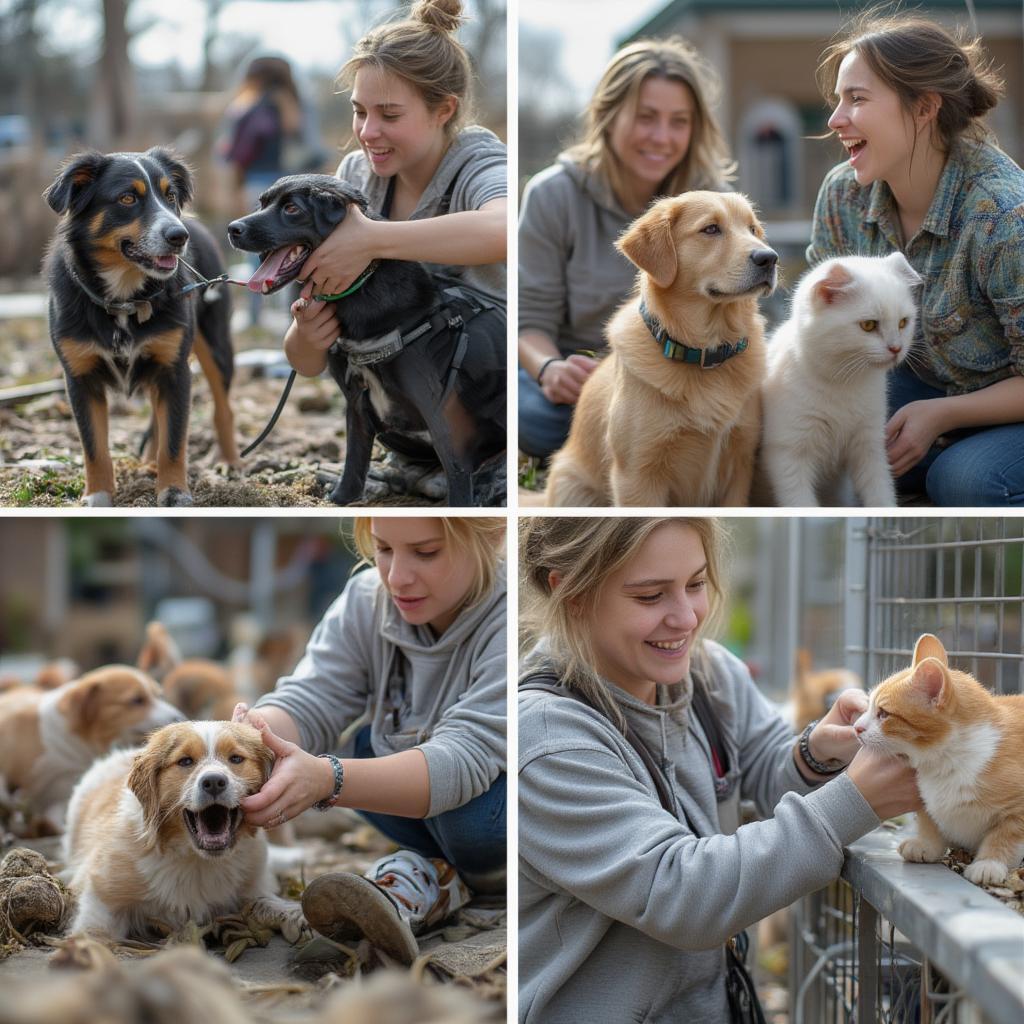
852,320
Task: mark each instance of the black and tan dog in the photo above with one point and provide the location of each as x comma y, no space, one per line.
118,315
421,365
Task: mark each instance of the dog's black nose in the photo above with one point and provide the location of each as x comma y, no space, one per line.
235,230
214,783
175,234
764,257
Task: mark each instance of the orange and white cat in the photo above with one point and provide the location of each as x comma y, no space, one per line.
965,744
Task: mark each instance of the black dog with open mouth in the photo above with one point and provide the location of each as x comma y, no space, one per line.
120,316
421,364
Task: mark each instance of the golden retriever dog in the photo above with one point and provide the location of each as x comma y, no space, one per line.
48,738
672,415
158,835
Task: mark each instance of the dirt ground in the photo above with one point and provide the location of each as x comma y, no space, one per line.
272,980
41,457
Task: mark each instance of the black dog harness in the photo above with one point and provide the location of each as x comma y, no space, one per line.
444,329
455,308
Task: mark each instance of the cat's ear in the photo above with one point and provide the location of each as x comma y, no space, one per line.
834,285
931,680
649,244
897,262
929,646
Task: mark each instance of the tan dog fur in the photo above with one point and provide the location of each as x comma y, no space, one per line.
134,860
651,431
49,738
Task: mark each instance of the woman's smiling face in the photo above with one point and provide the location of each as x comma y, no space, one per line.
394,126
652,140
648,612
427,577
871,123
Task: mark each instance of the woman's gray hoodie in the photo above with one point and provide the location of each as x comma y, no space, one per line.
623,911
477,163
444,694
571,276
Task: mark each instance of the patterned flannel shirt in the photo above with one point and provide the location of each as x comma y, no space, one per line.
969,251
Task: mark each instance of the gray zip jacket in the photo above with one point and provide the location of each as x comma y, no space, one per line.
478,163
571,276
623,911
445,695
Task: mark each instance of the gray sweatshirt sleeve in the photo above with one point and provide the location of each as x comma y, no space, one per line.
466,749
330,686
544,241
591,827
481,178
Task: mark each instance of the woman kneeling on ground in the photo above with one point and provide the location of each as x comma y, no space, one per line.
420,646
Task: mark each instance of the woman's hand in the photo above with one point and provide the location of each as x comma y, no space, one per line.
911,431
346,252
563,380
297,782
888,783
313,331
834,738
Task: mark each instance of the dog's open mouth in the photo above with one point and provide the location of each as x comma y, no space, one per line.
213,828
278,268
165,264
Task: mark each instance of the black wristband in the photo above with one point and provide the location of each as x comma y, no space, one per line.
816,766
546,364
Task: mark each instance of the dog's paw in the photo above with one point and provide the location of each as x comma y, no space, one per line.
98,499
986,872
920,851
173,497
284,915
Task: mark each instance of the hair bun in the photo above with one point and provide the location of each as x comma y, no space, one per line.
444,15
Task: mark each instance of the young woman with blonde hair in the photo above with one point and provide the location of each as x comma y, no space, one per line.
650,132
419,646
926,177
638,736
439,184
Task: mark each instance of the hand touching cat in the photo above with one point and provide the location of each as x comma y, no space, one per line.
834,738
888,783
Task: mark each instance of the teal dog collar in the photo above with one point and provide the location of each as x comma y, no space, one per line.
705,358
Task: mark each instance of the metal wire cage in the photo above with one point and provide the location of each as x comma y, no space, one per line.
884,943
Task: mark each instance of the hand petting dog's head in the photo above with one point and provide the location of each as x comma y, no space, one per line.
296,214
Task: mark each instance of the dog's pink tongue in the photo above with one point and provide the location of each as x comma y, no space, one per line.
267,272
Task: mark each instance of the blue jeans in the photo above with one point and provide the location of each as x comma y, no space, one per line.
983,466
543,426
471,837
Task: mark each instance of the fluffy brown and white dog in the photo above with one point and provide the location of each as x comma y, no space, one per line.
672,415
158,834
49,738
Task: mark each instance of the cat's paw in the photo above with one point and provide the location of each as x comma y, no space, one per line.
921,851
986,872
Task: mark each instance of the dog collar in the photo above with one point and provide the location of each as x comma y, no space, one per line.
142,308
705,358
354,287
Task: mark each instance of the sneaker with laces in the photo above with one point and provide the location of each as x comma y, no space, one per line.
400,896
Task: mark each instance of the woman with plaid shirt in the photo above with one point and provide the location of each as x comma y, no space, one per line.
925,177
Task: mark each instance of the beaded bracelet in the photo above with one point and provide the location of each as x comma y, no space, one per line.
832,767
339,781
